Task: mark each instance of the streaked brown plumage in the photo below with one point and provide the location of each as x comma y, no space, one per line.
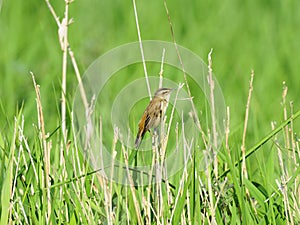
154,113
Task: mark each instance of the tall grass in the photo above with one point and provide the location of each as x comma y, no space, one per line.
46,179
74,193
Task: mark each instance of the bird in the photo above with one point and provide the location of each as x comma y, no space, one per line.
153,114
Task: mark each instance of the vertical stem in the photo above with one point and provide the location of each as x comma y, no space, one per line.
213,114
162,68
285,116
227,131
64,44
210,195
63,37
243,147
141,48
185,77
41,125
80,84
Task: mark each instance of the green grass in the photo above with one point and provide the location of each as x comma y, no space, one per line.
259,35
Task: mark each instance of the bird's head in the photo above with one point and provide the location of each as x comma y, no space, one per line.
163,93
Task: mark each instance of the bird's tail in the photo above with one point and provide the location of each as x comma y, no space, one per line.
138,141
139,138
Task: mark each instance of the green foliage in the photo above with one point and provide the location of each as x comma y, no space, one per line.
245,35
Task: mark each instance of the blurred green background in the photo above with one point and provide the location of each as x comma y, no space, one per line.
262,35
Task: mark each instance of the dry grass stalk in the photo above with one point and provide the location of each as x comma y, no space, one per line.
181,186
243,147
213,114
131,185
41,126
227,131
141,48
162,68
65,44
63,37
285,115
185,77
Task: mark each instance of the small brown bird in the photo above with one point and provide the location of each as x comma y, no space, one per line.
154,113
